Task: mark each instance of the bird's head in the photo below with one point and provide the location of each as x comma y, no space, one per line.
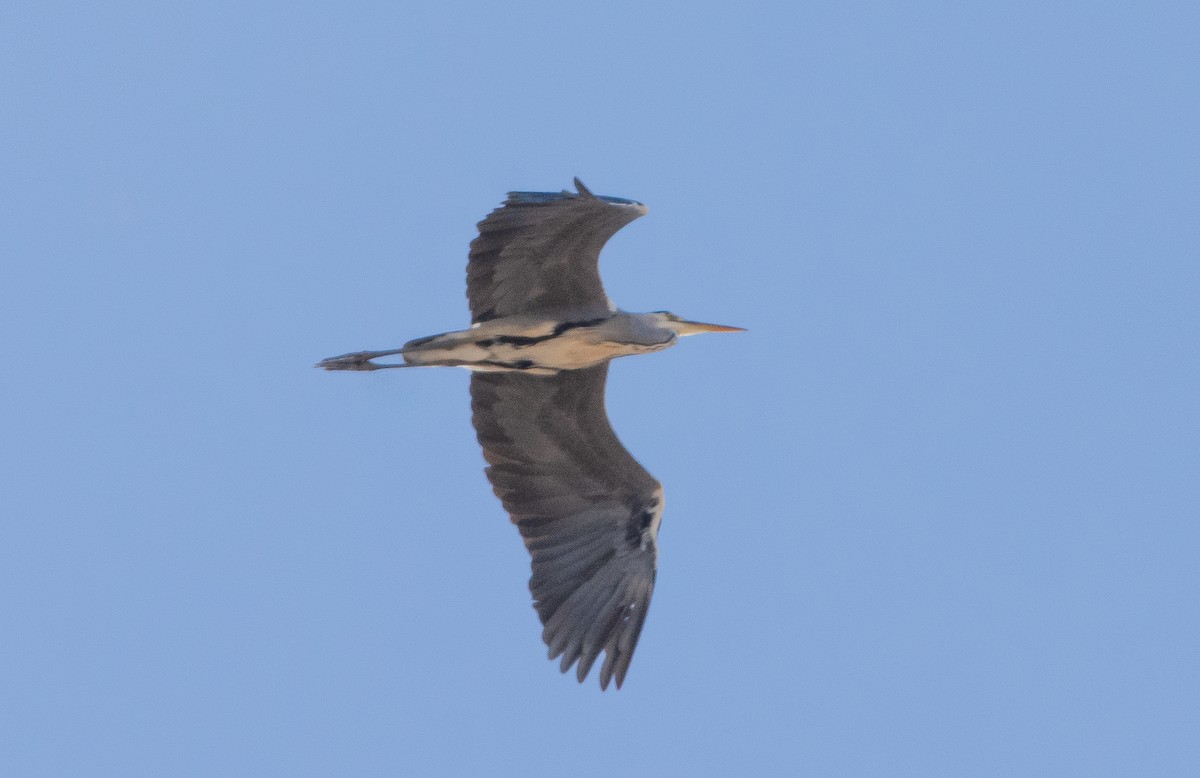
682,327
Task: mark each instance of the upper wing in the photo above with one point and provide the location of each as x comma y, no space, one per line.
539,253
588,512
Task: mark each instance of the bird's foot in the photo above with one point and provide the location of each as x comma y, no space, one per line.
359,360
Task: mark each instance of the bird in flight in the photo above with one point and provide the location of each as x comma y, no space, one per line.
542,334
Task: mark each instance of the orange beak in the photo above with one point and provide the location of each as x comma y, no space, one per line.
696,327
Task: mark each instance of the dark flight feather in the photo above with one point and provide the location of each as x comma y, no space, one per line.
584,506
539,253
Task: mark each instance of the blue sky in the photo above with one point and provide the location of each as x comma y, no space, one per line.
935,514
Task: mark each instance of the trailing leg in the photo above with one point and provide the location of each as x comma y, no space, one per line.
359,360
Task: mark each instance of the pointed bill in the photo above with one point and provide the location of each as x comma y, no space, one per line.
696,327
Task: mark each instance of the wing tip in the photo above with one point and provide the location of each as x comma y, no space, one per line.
617,650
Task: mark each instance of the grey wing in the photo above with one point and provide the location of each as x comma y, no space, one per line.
539,253
587,511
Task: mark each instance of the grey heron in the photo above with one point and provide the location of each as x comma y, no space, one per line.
542,333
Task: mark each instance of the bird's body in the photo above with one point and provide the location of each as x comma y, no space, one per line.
532,344
541,346
542,334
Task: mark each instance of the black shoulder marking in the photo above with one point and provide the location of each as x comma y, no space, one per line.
522,341
571,325
520,364
518,341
